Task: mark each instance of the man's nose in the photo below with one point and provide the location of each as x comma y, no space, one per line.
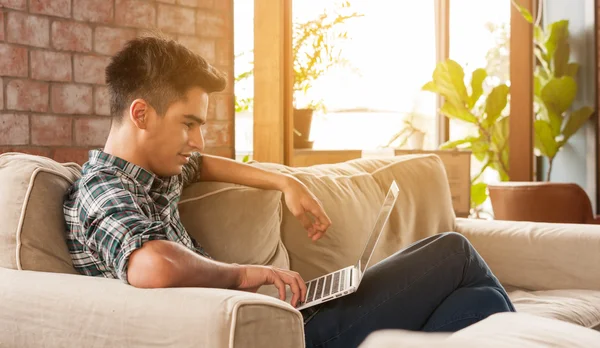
197,140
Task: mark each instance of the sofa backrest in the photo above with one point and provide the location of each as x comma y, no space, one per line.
32,223
240,224
352,194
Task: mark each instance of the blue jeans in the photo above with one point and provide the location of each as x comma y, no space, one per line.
439,283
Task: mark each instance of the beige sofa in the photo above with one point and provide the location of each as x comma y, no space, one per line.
551,270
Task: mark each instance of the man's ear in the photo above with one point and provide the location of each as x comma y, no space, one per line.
138,113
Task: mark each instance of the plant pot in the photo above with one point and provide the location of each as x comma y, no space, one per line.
302,124
416,140
540,201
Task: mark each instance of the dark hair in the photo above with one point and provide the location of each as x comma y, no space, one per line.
160,71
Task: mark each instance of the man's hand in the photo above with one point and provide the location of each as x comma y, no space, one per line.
301,202
253,277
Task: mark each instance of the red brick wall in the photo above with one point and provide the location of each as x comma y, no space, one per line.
53,99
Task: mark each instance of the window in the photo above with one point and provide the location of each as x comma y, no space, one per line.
390,51
390,54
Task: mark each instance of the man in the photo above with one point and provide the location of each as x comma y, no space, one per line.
122,218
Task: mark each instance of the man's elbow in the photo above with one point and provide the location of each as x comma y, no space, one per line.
148,268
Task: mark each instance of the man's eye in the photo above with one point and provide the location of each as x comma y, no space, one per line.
189,125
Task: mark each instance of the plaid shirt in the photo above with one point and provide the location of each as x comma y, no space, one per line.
116,206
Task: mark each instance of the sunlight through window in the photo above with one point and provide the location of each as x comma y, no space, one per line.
390,54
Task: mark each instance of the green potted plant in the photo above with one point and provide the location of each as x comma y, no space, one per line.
554,91
483,112
555,88
316,49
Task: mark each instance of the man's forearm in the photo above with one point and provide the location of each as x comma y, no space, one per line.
227,170
168,264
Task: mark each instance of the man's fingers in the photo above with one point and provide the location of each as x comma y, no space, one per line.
305,221
298,288
293,282
321,223
317,236
323,220
302,285
279,284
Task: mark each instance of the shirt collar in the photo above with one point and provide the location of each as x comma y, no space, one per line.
99,158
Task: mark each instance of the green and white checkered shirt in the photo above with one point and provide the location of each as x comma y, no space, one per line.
116,206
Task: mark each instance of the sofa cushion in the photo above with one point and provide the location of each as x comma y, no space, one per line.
352,194
235,223
503,330
581,307
31,196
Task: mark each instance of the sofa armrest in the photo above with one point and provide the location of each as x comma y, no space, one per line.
537,256
62,310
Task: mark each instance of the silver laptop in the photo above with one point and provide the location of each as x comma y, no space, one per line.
346,280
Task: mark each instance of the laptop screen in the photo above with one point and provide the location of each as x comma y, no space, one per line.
382,219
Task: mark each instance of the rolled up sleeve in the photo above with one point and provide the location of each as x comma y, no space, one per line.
119,234
115,226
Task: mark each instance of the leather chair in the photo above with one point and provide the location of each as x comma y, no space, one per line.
541,202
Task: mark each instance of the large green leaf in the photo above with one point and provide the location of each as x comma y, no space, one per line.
559,33
544,139
541,112
430,87
449,78
495,103
576,120
555,120
477,79
458,112
524,12
560,61
453,144
478,193
480,149
558,95
500,134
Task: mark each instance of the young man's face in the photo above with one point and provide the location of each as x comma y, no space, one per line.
170,139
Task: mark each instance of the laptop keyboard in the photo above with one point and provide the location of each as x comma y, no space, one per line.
327,285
